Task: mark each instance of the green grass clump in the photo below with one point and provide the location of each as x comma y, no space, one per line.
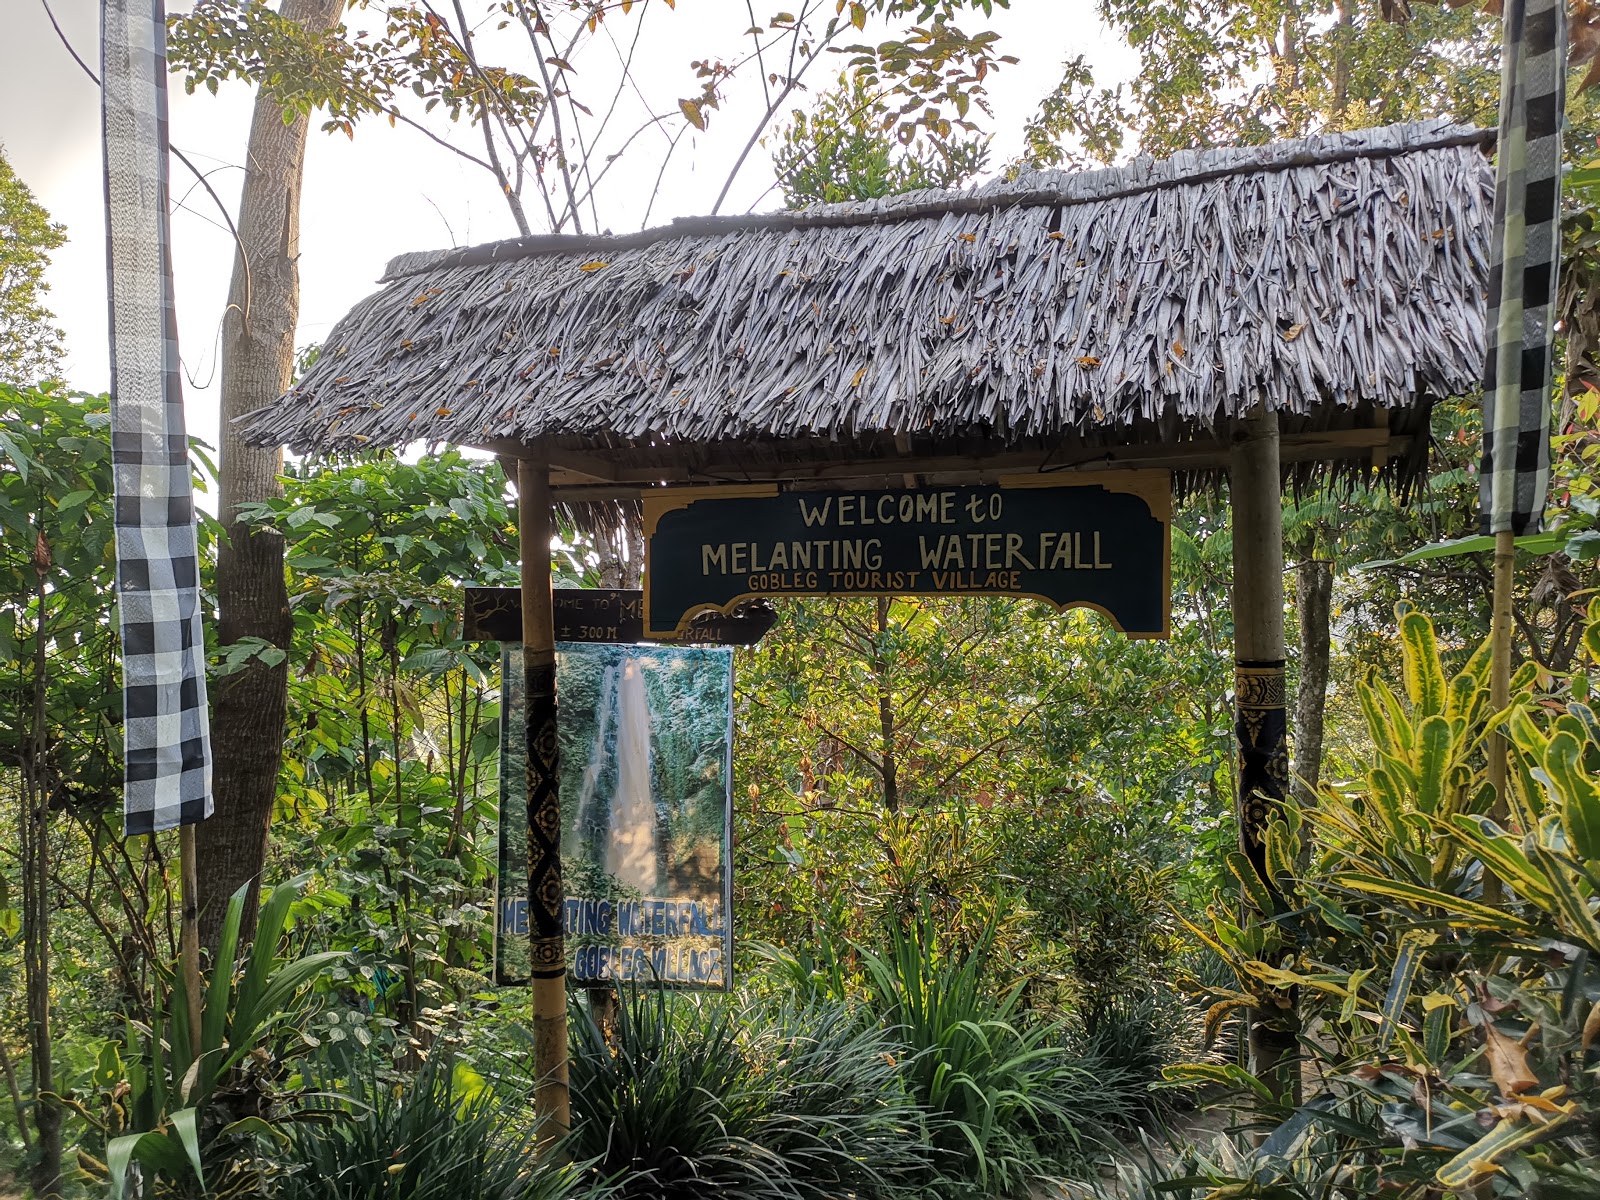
431,1138
1007,1100
696,1096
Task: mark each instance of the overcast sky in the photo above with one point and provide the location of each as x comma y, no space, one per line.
390,190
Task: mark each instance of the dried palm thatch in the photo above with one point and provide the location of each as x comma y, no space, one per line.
1339,279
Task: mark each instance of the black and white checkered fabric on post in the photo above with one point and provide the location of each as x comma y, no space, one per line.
1522,278
166,735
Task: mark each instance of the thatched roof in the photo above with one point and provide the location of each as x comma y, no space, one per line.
1064,316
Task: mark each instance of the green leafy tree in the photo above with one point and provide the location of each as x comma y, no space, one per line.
31,344
1216,73
56,655
1076,125
390,793
1024,793
1456,1038
842,149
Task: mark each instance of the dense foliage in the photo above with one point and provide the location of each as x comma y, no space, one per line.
942,1009
387,811
986,893
1439,939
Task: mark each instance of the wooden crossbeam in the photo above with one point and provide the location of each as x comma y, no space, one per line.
587,477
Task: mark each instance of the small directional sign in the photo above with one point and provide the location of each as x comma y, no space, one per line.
614,615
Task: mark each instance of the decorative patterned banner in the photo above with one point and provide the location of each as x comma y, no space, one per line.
166,734
1524,260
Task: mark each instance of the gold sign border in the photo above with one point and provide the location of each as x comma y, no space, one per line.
1153,487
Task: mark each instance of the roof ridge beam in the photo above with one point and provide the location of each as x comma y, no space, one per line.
1321,151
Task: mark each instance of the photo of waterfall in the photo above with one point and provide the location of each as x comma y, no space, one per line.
617,826
646,763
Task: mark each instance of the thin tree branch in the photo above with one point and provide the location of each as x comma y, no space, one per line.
463,43
16,1096
655,192
1001,737
761,60
655,122
553,108
863,755
789,84
61,34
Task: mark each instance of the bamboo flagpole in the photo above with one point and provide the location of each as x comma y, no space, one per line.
1525,256
1500,618
1505,565
189,934
546,896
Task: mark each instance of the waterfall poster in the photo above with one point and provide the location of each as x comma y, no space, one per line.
646,736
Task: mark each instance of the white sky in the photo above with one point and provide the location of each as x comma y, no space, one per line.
390,190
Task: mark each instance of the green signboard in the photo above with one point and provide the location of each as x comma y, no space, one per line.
1102,543
646,735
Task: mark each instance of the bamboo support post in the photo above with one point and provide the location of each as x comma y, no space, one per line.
546,897
1260,692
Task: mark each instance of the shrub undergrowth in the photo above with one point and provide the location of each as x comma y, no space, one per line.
440,1136
1008,1096
691,1095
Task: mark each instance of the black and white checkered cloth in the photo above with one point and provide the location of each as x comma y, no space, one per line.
1522,278
166,734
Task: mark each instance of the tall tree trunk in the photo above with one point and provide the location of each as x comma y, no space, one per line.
1314,588
249,707
621,557
1343,47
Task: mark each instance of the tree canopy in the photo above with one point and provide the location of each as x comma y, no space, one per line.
31,343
